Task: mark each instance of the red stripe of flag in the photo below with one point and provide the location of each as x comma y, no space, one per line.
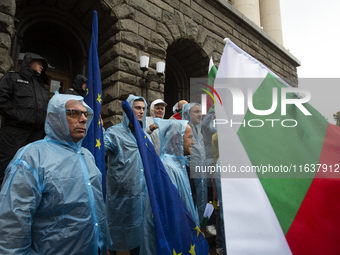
316,227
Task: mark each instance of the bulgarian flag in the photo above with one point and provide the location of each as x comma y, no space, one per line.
292,204
211,78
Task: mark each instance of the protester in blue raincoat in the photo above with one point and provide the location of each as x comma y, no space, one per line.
127,196
193,113
176,143
208,131
51,200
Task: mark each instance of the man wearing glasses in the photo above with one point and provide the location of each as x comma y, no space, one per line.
51,199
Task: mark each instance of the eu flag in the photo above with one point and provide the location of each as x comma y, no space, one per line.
175,230
94,141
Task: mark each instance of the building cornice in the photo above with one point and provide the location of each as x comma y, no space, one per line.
240,18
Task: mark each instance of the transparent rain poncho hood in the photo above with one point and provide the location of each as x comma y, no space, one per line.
127,196
130,100
56,127
171,134
198,154
51,200
197,158
186,112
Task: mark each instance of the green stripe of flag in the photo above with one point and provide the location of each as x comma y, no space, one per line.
286,146
212,74
211,78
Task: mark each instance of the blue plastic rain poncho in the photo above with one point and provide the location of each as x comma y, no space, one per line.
149,121
51,201
197,158
172,155
208,131
127,194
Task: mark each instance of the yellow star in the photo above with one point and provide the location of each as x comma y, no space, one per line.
174,253
146,144
99,122
192,250
98,143
87,91
99,98
198,230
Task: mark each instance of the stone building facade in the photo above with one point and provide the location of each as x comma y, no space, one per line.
182,33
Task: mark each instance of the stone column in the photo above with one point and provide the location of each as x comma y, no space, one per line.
7,11
249,8
271,19
15,48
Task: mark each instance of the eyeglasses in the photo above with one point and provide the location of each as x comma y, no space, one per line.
76,114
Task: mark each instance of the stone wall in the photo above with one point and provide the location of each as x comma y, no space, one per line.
182,33
149,27
7,30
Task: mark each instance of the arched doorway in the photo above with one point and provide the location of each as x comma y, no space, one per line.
185,59
59,32
60,47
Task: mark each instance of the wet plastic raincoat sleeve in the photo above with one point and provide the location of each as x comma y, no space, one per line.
20,197
149,122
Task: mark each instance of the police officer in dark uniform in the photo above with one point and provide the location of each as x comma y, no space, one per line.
23,105
78,86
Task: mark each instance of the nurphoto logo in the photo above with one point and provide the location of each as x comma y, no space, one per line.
238,105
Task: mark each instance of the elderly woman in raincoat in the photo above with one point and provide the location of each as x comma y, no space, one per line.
192,112
127,201
51,200
176,143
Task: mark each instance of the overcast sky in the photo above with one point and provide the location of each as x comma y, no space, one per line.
311,34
